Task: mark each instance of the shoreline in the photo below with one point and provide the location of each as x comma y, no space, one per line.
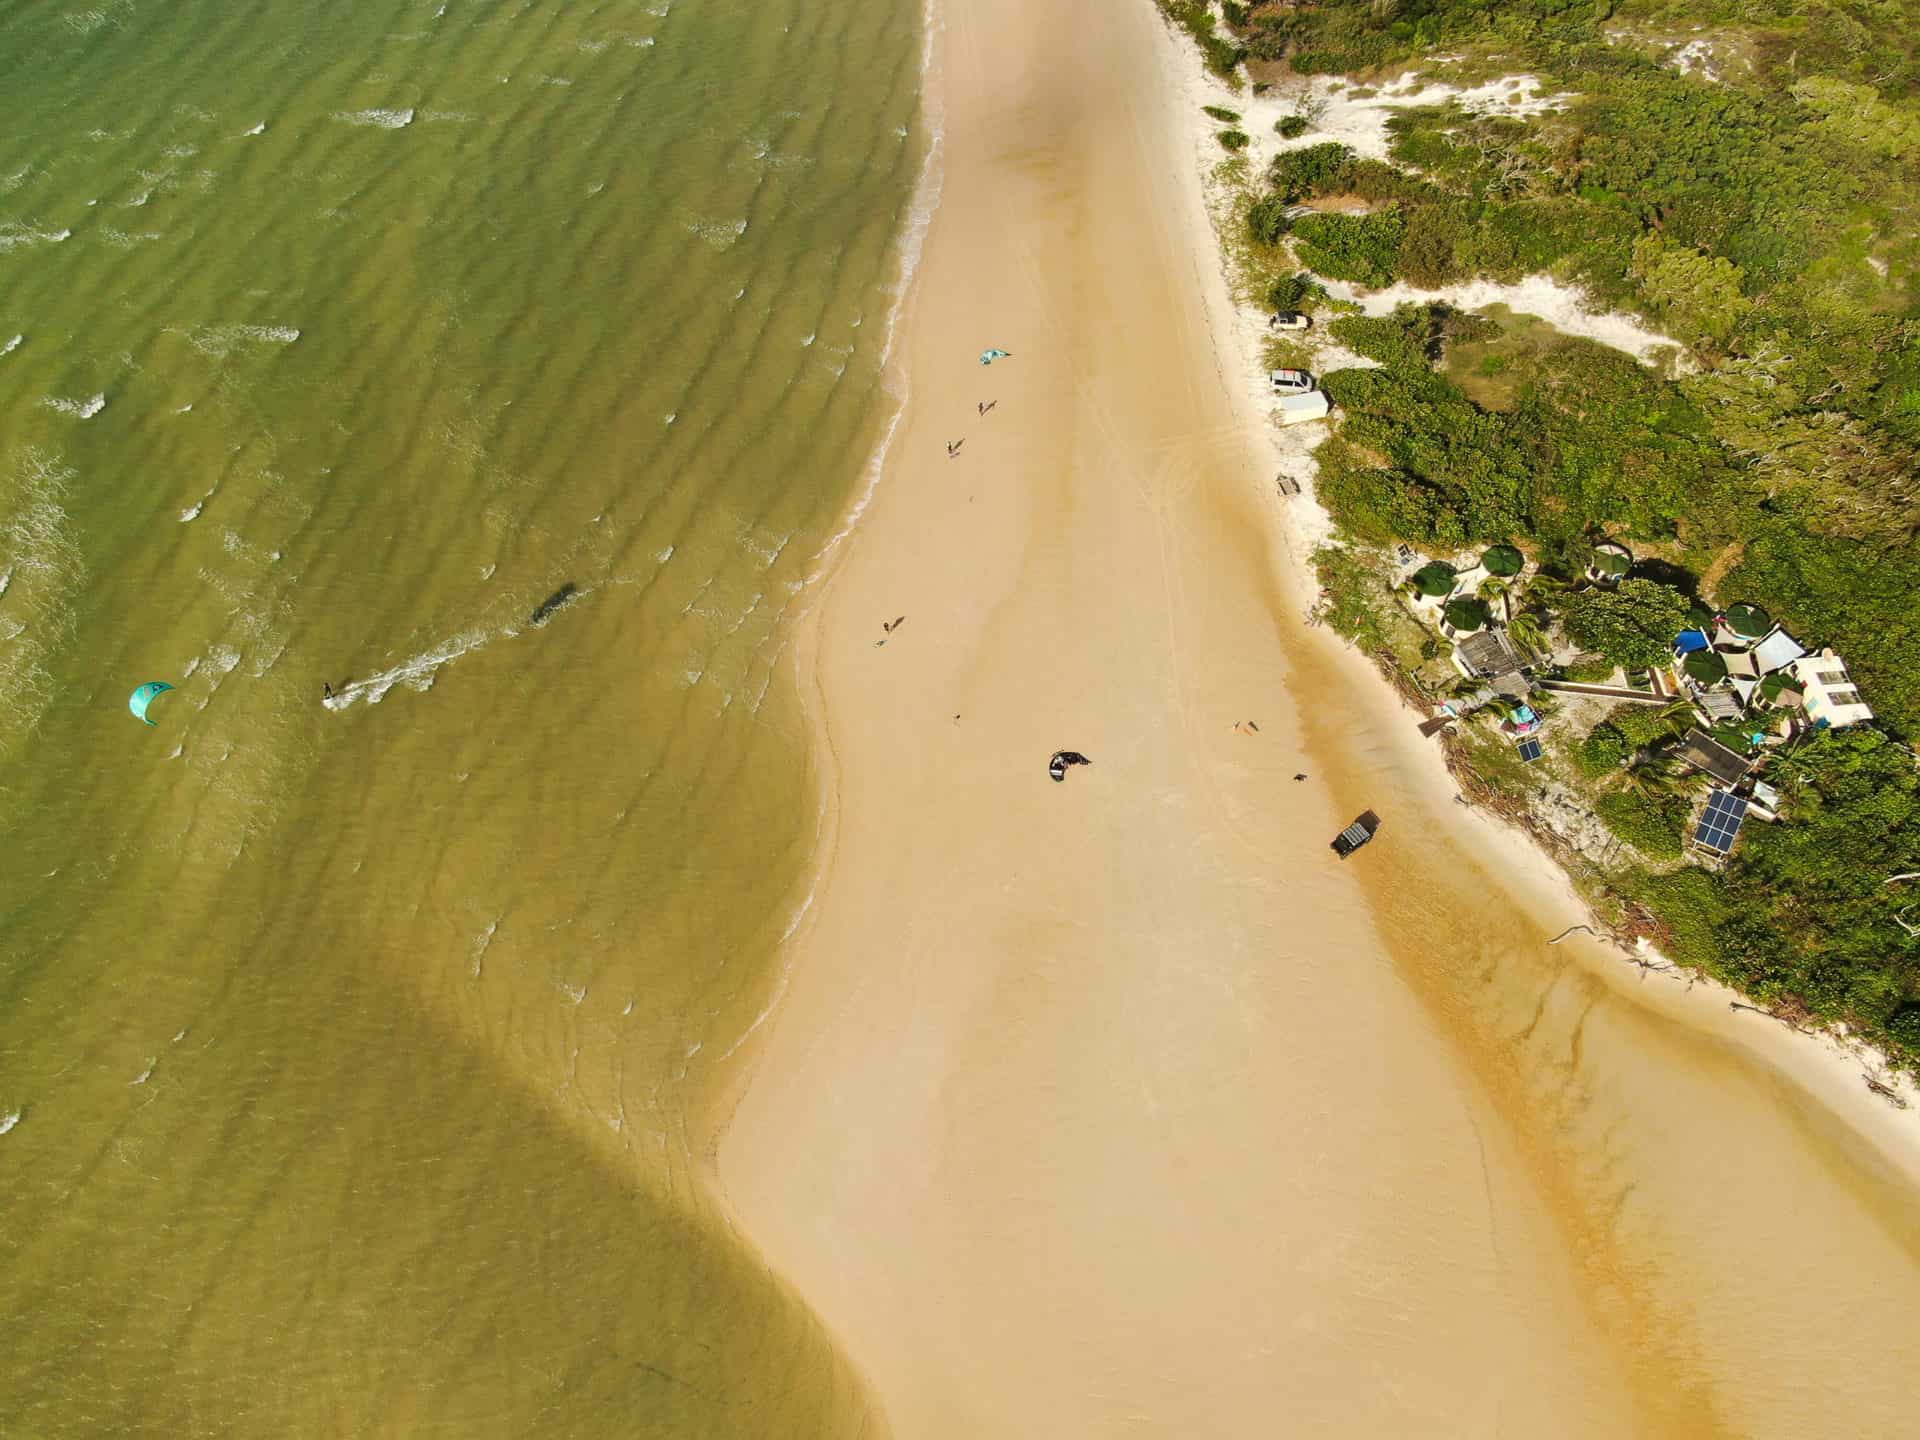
1119,1105
1816,1057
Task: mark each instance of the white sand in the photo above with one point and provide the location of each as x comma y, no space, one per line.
1120,1107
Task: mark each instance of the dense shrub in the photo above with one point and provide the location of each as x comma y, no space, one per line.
1361,248
1632,624
1652,824
1291,127
1232,139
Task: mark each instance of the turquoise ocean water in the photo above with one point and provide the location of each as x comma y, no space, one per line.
352,1051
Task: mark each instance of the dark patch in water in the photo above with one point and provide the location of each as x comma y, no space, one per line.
552,603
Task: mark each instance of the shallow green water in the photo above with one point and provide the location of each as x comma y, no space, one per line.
349,1050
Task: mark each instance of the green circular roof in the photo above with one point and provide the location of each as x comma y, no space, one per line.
1467,614
1434,579
1749,621
1504,561
1706,667
1612,562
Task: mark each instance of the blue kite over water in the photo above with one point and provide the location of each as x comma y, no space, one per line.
145,696
987,357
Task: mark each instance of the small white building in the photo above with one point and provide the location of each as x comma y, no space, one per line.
1831,700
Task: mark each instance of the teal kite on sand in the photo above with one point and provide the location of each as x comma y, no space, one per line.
987,357
145,696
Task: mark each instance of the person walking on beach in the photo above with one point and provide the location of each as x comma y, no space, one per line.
953,447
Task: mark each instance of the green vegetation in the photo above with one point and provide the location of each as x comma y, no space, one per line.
1232,139
1223,56
1632,624
1649,821
1803,915
1467,614
1771,224
1222,114
1291,127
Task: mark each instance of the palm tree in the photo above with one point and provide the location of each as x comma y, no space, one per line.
1527,632
1494,588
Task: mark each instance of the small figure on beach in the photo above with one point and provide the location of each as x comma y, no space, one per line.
1057,766
892,625
1246,727
984,406
953,446
1301,775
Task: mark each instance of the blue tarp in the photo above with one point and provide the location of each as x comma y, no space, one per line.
1688,641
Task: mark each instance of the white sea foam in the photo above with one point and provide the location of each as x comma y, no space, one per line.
12,345
9,1120
146,1074
379,119
804,344
721,234
259,129
80,409
664,556
122,240
416,673
14,235
481,944
221,340
926,200
192,512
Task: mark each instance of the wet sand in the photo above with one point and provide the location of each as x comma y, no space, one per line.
1119,1106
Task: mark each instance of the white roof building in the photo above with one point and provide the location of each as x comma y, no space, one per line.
1832,701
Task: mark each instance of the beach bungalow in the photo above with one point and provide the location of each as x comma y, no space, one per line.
1828,695
1464,616
1706,754
1610,564
1434,582
1485,655
1779,691
1745,624
1503,562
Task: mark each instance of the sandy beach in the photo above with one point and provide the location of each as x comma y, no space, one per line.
1120,1106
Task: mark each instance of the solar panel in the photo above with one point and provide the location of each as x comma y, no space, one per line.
1721,822
1529,750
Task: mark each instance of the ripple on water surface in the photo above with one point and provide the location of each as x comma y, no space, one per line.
401,1072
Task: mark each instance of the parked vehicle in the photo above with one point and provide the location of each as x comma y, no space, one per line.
1291,382
1356,834
1297,409
1288,320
